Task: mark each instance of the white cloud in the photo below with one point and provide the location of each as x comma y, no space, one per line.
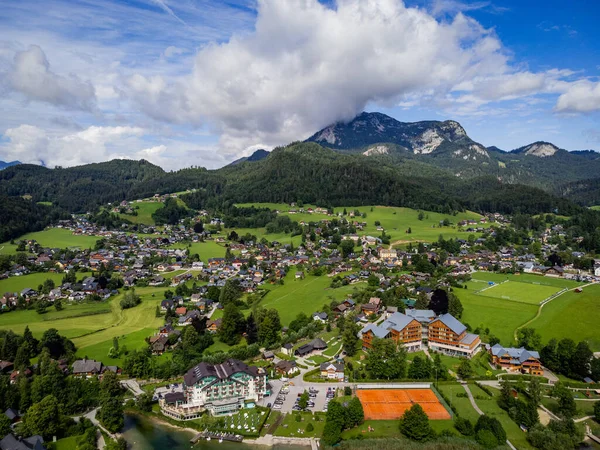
307,65
32,77
30,144
581,96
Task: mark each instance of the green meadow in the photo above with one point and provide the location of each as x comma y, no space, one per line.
33,280
144,212
308,295
206,250
573,315
525,278
53,238
395,220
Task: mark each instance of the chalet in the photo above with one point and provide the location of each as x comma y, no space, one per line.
13,415
159,344
555,271
402,329
349,303
181,311
286,368
86,368
268,355
214,325
516,359
447,335
340,309
188,318
332,371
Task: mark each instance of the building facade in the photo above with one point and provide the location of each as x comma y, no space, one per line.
422,328
220,389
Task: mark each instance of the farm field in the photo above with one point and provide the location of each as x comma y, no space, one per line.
394,220
53,238
145,211
520,292
502,317
307,296
33,280
577,313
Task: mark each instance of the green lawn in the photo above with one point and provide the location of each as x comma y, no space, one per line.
501,317
574,315
68,443
380,429
462,404
33,280
291,428
53,238
145,211
334,348
308,296
489,406
130,341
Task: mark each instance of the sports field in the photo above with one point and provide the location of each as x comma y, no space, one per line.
53,238
530,278
519,292
390,404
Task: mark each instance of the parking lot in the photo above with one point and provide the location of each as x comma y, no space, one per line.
284,395
171,388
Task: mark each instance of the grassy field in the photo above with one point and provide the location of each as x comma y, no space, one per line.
206,250
462,404
33,280
307,296
520,292
145,211
500,316
489,406
394,220
291,428
53,238
572,314
92,326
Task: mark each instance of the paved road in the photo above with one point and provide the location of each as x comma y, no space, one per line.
472,400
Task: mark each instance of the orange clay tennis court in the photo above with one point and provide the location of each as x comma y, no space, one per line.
390,404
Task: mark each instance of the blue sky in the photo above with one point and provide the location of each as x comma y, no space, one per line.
199,82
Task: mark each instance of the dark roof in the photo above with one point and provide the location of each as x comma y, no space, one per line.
173,397
87,366
220,371
11,413
318,344
12,443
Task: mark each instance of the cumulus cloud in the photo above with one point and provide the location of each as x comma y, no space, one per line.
30,144
32,77
307,65
581,96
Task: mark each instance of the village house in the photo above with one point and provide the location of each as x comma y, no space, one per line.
332,371
213,326
286,368
158,344
86,368
287,349
315,345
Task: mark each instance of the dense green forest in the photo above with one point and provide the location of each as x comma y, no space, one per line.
19,216
300,171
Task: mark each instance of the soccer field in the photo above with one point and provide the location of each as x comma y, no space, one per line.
520,292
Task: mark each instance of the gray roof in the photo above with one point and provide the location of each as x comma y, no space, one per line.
220,371
376,330
518,354
339,367
31,443
422,315
452,323
87,366
469,338
396,321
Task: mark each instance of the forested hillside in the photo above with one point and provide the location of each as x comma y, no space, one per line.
19,216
